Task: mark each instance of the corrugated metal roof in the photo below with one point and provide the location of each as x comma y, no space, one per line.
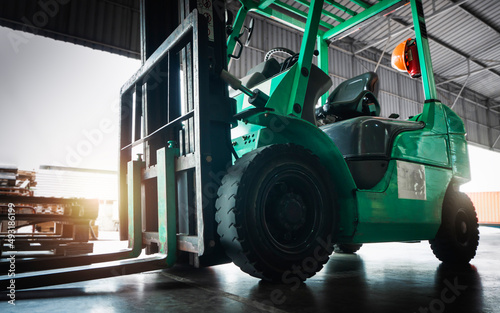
398,92
466,30
458,31
469,30
108,25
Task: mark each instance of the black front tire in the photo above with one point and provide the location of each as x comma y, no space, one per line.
458,236
276,213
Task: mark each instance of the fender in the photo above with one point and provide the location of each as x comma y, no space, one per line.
289,129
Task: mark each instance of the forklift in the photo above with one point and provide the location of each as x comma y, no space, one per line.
272,171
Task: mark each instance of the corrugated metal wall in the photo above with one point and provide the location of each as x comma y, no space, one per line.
68,184
487,206
398,92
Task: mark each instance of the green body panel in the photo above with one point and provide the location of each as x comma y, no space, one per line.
459,154
454,122
385,216
276,86
422,146
428,159
245,135
459,159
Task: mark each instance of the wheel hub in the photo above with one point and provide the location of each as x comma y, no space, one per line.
292,211
461,228
464,228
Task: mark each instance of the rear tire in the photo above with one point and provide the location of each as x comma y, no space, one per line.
276,213
347,248
458,236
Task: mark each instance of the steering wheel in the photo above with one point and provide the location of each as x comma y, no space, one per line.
291,60
279,49
250,32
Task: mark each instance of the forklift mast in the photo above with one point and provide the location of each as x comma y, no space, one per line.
177,112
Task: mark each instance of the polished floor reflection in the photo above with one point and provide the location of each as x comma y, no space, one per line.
392,277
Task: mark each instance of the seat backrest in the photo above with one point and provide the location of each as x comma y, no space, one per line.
350,89
354,97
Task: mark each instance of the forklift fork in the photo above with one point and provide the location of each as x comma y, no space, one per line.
37,272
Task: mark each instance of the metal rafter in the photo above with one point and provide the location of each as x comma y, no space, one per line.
410,26
449,47
324,12
341,7
477,17
470,73
361,4
496,97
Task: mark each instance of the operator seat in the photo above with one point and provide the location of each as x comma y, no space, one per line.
364,139
354,97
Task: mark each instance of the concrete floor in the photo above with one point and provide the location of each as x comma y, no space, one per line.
392,277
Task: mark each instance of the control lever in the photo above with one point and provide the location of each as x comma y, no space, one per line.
256,97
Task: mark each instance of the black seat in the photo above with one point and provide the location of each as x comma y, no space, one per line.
366,144
354,97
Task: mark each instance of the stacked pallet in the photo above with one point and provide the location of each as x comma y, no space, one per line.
16,182
59,226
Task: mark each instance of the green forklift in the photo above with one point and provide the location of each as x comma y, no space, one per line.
297,191
272,171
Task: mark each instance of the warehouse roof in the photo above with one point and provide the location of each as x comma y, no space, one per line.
464,34
108,25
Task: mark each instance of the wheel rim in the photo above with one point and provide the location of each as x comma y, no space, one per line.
462,228
291,205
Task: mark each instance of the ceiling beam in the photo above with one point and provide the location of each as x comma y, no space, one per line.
451,48
467,74
476,15
410,26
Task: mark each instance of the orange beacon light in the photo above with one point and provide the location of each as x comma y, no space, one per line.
405,58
